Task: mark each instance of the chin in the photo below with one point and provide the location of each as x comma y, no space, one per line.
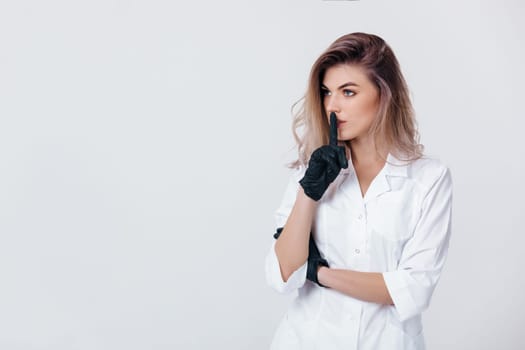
347,137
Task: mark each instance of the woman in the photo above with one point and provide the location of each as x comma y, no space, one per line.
364,225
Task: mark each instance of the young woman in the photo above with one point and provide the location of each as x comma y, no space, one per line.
364,224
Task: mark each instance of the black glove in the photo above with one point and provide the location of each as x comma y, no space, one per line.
314,258
325,164
314,262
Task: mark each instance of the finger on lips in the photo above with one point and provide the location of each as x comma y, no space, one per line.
333,129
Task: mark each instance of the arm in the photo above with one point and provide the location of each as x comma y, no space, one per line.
323,167
367,286
409,287
286,264
292,246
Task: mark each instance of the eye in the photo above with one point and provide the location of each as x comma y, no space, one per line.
347,92
325,92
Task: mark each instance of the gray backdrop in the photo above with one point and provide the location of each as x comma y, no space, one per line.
142,152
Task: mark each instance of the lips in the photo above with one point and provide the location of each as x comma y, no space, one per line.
339,122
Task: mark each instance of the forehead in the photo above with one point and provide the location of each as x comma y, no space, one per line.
343,73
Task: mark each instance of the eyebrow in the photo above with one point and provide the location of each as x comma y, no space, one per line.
350,83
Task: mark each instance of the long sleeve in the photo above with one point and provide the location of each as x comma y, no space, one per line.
272,267
412,284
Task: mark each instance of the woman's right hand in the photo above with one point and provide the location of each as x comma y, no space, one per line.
325,164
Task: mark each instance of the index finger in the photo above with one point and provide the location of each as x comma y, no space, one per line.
333,129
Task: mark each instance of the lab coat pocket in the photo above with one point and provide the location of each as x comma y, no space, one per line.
393,216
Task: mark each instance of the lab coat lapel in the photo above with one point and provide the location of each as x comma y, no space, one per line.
379,186
381,183
349,185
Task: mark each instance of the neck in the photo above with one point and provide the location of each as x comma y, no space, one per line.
364,153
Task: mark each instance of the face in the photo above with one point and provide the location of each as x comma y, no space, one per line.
347,91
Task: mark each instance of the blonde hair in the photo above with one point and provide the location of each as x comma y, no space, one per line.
394,127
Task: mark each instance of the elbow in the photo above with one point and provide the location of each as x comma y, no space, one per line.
411,296
285,274
287,270
414,307
388,300
283,282
286,285
288,264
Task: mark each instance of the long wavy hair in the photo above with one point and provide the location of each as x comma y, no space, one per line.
394,127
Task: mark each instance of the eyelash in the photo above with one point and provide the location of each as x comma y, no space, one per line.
326,92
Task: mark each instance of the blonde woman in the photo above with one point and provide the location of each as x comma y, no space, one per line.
364,224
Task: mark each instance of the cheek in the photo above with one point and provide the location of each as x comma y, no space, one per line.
368,110
370,104
363,112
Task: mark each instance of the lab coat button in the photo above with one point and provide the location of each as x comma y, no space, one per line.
360,216
357,251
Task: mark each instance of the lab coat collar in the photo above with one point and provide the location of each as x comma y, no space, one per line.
393,166
380,184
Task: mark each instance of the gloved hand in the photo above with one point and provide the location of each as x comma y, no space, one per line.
314,262
314,258
325,164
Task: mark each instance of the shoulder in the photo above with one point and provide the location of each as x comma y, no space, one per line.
295,174
429,170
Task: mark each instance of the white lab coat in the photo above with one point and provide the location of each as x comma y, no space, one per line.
401,228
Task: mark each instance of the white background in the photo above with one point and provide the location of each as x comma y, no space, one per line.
142,152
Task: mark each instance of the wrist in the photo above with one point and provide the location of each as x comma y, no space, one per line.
321,274
305,199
